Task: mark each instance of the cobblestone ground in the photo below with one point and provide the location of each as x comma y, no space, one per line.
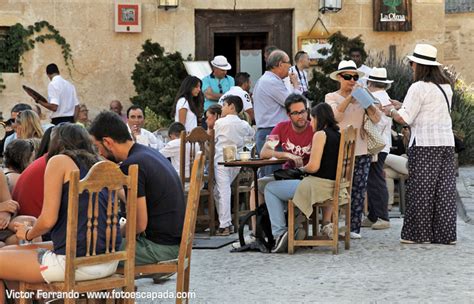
377,269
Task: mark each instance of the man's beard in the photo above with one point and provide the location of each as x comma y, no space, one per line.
110,156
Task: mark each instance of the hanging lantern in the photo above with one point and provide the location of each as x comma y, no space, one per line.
332,6
166,4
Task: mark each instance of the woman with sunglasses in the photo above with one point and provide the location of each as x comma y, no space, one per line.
348,111
431,191
188,103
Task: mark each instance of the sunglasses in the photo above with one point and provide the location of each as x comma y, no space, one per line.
349,77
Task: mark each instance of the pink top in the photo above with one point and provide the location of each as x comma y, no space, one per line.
353,115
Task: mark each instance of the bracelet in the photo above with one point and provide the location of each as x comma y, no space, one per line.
26,235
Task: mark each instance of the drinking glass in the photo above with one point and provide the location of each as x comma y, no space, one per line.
272,141
249,143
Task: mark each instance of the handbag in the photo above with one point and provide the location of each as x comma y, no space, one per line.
458,142
291,173
375,141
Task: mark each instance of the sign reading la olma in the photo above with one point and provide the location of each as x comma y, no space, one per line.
392,15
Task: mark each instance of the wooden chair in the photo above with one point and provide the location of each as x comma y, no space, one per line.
237,188
104,174
198,137
345,169
182,265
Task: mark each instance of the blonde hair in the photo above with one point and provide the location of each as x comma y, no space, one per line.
29,125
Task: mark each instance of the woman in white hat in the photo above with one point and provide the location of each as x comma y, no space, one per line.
348,111
431,192
377,193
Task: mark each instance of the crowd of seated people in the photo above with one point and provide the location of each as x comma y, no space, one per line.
309,142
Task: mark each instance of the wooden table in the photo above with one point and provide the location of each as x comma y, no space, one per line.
254,164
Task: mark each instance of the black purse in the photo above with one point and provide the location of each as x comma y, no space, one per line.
292,173
459,145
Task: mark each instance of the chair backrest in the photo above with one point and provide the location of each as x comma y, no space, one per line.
195,185
197,138
345,161
104,174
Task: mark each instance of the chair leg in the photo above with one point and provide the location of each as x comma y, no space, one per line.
315,221
347,236
187,274
291,227
236,204
335,230
211,209
180,283
23,300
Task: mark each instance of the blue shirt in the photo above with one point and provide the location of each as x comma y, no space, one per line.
210,81
269,97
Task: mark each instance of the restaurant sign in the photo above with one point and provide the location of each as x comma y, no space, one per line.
392,15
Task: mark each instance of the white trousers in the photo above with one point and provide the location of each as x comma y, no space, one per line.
222,192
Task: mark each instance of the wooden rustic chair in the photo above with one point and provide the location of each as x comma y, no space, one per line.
199,138
241,184
182,265
345,169
104,174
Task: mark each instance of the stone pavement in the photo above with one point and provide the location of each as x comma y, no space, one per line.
377,269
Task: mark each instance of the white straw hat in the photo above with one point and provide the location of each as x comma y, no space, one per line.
424,54
220,62
378,75
345,66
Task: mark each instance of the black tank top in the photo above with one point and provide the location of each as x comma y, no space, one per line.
328,166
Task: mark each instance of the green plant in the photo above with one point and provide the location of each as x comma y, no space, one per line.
154,122
157,77
19,40
392,4
321,84
2,86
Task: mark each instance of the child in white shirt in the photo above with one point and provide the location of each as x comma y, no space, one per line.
229,130
172,148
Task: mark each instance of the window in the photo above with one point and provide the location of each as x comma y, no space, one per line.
459,6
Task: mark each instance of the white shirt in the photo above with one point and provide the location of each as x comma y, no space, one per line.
146,138
230,130
238,91
425,110
63,94
366,70
191,119
302,77
172,151
385,123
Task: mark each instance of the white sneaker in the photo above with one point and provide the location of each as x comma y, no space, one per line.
354,235
248,239
327,230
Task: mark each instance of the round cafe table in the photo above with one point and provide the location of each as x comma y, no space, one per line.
254,164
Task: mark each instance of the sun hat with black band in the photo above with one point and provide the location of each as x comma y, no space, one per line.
345,66
424,54
220,62
378,75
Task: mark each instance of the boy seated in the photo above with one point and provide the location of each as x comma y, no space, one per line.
229,130
172,148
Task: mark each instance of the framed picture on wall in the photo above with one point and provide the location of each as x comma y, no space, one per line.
312,45
128,17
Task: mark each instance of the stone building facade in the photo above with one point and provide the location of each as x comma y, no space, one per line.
104,59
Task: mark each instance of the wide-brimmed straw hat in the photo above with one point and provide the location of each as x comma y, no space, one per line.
378,75
220,62
424,54
346,66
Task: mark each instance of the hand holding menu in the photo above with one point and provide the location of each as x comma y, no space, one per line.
364,97
35,95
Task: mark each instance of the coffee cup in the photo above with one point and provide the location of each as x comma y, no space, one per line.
244,155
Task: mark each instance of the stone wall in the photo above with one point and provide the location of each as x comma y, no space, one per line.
104,60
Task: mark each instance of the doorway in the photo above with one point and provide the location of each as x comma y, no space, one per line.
235,34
